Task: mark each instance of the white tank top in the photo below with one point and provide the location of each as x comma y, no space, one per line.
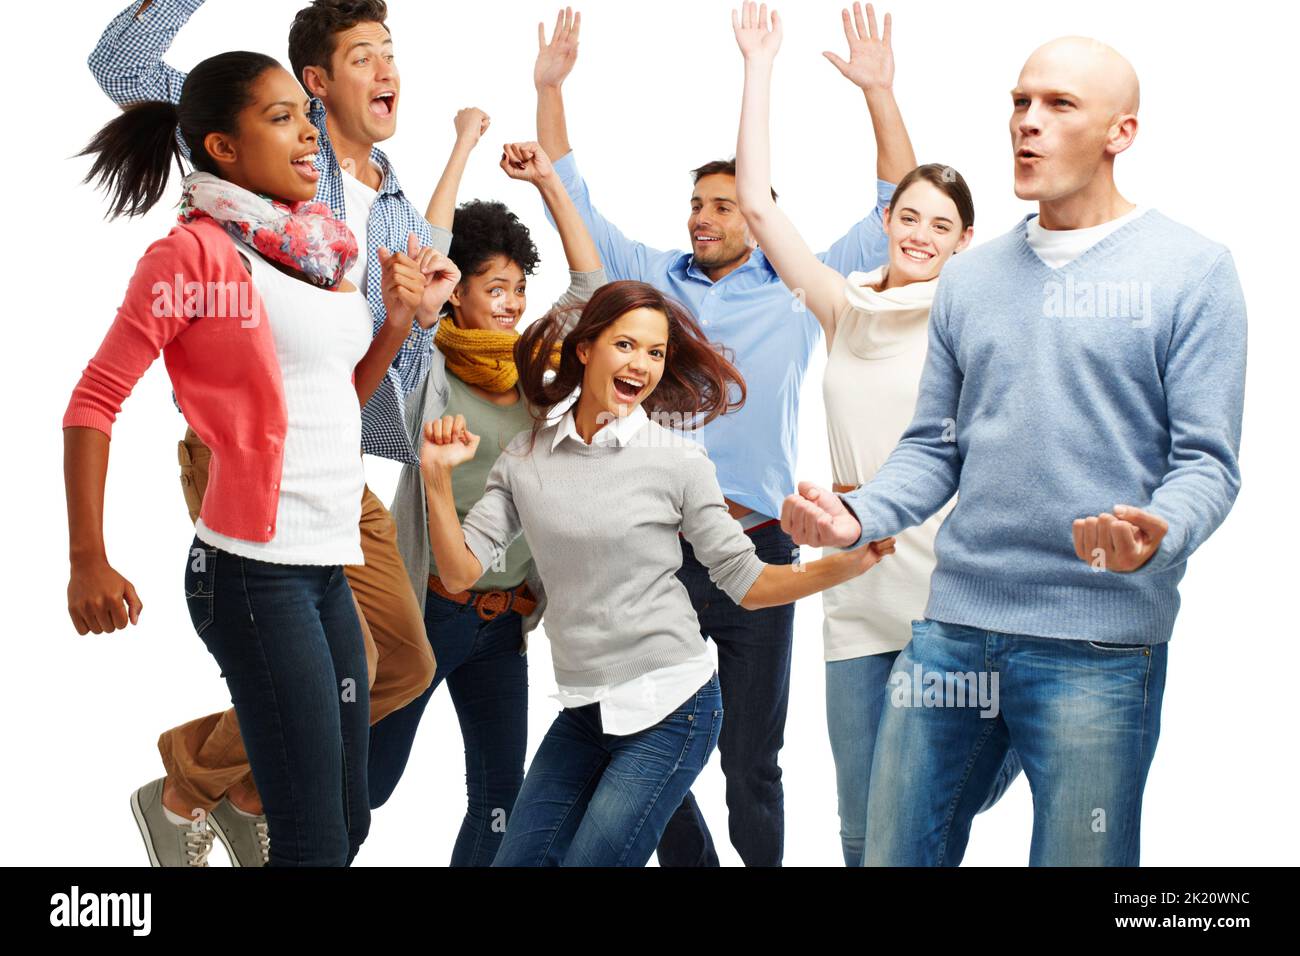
319,338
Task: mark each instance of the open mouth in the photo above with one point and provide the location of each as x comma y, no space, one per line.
306,167
382,105
917,255
1025,155
700,237
505,321
627,389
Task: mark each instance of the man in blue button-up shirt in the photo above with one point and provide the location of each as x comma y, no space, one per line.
741,303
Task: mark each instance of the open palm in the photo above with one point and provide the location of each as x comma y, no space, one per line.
871,58
755,37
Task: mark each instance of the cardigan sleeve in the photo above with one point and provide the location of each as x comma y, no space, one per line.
147,320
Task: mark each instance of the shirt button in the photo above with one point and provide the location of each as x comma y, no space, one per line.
704,321
268,527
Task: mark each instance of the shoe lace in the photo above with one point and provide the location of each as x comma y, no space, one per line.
198,844
264,841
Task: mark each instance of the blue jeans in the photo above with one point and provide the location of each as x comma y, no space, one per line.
855,695
597,799
488,681
289,645
1083,717
754,668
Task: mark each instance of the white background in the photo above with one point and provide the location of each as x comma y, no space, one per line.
656,92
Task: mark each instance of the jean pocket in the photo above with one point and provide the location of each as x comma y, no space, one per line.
200,578
714,732
1120,649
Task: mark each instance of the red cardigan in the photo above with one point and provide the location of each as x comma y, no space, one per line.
223,369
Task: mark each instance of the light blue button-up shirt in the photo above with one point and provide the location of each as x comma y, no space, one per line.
752,313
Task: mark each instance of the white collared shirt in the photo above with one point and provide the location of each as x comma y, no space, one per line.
633,705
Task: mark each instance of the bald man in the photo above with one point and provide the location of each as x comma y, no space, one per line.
1082,394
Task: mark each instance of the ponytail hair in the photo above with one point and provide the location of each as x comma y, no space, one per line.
697,377
134,152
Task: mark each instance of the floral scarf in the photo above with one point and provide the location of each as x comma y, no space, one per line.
305,236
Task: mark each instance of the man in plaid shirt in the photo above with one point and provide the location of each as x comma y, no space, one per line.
342,52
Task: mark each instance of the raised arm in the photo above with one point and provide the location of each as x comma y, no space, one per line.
127,62
415,287
528,162
471,123
821,287
622,258
870,67
463,554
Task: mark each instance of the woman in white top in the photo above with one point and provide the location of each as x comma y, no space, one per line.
876,337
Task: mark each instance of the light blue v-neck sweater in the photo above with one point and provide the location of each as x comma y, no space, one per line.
1055,394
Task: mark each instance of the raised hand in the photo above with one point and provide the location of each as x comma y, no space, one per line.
818,518
556,59
1123,541
403,282
757,40
527,162
100,600
871,59
471,123
447,443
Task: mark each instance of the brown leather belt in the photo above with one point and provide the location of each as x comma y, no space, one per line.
838,489
490,604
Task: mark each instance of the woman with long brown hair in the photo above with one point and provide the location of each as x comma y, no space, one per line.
602,494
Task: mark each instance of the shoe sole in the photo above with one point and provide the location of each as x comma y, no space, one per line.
138,813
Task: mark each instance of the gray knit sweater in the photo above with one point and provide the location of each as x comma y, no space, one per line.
602,523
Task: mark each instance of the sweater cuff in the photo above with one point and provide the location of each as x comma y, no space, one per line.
860,513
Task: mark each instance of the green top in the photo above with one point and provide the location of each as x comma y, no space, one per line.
495,425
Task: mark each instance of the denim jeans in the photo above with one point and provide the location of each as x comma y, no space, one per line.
488,681
597,799
289,645
855,695
754,668
1083,717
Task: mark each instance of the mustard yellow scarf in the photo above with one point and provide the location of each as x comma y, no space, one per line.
482,357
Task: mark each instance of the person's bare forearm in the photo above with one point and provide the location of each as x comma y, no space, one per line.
442,205
894,155
579,248
753,147
457,566
552,128
372,368
85,465
784,583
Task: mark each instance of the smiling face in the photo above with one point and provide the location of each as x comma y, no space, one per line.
924,229
361,88
492,298
1073,110
720,237
273,147
624,363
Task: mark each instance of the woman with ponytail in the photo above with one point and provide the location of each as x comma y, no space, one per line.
478,630
270,354
604,494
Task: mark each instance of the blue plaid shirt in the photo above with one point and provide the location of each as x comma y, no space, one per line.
128,65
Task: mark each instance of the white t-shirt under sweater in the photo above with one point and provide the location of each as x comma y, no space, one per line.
319,338
633,705
1056,247
870,387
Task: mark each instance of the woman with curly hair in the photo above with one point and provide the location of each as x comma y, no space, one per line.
478,629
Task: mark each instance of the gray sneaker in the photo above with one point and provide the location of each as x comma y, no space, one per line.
169,844
246,838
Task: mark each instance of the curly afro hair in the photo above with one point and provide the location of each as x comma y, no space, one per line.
482,230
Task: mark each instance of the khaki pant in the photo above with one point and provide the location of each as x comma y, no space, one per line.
205,757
